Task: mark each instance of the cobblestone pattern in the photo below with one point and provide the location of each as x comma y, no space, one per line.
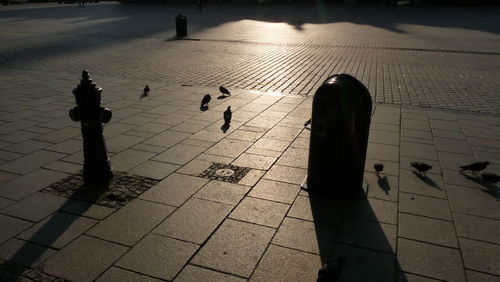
123,188
211,172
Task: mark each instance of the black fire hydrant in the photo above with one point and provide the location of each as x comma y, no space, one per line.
340,123
96,166
181,26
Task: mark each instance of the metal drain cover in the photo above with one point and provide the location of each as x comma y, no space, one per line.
225,172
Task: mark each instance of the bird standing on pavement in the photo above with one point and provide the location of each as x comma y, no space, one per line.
378,167
204,102
224,91
421,167
227,115
146,91
490,177
475,167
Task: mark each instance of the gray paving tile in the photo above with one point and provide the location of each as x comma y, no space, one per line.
480,256
254,161
31,162
115,274
368,234
294,157
174,190
69,146
167,138
444,125
128,159
429,230
5,202
282,264
245,135
252,177
407,277
35,207
179,154
222,192
384,137
286,174
473,201
7,176
418,150
86,209
427,185
58,230
129,224
59,135
283,133
374,209
415,134
27,147
65,167
271,144
84,259
153,169
275,191
9,156
121,142
18,136
426,206
195,167
473,276
260,211
430,260
316,209
478,228
24,253
229,148
456,178
385,187
209,136
452,145
11,227
194,221
383,152
453,161
448,134
194,273
158,256
29,183
415,124
235,247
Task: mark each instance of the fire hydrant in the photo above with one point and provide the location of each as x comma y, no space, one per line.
96,166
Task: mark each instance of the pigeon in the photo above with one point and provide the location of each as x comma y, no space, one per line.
421,167
490,177
227,115
223,90
146,90
475,167
206,99
331,272
307,123
378,167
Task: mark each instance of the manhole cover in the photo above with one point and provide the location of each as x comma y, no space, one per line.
225,172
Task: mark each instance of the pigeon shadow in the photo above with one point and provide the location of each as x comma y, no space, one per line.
225,127
203,108
491,189
427,180
383,184
143,95
222,97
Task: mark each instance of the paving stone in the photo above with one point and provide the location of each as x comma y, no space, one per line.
456,178
374,209
84,259
473,276
174,190
31,162
18,136
294,157
86,209
245,135
235,247
229,148
6,176
415,134
24,253
444,125
5,202
368,234
383,188
194,273
129,224
167,138
384,127
128,159
275,191
65,167
415,124
149,148
478,228
254,161
29,183
252,177
473,201
418,150
363,264
286,174
427,185
76,158
27,147
283,133
35,207
122,142
480,256
452,145
430,260
115,274
11,227
59,135
271,144
407,277
209,136
452,161
427,230
158,256
383,152
282,264
194,221
69,146
384,137
58,230
9,156
486,142
448,134
222,192
405,163
390,168
425,206
316,209
260,212
179,154
153,169
153,127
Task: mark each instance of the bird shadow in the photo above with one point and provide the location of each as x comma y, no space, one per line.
383,183
143,95
222,97
307,128
491,189
427,180
203,108
225,127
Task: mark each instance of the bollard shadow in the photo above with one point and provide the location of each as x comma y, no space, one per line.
427,180
354,243
29,258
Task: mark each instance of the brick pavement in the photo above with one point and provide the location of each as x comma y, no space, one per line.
264,227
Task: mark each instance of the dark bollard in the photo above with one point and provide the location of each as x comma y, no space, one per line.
340,124
181,26
96,167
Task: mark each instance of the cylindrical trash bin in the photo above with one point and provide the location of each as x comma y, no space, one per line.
181,26
340,123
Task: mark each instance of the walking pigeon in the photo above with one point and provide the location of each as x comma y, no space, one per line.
421,167
227,115
378,167
204,102
490,177
223,90
475,167
146,90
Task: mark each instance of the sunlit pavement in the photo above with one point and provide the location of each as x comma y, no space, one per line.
432,73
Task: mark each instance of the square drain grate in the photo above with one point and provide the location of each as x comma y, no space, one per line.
225,172
122,189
